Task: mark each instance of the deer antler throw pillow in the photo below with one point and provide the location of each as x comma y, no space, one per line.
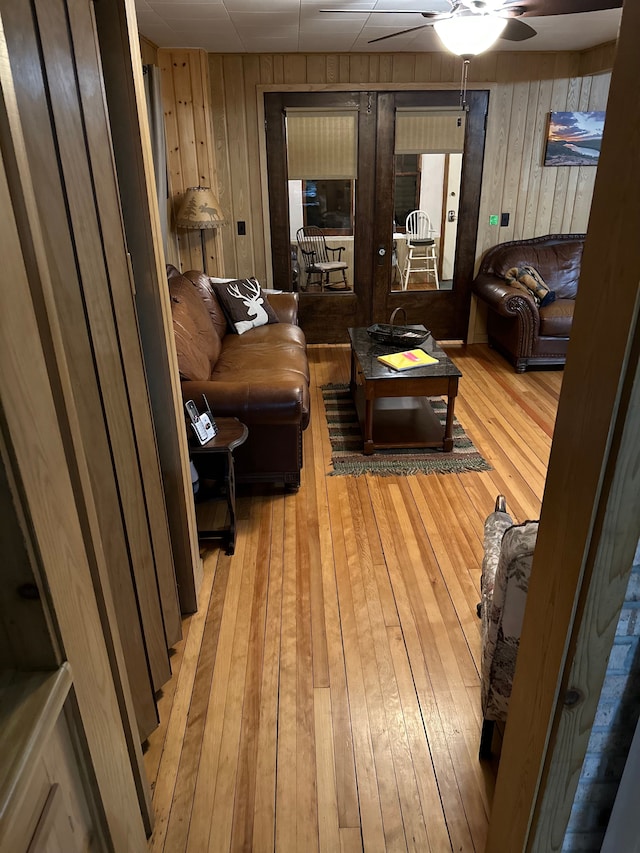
244,304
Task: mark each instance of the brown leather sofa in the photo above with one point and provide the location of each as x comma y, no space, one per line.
260,377
527,335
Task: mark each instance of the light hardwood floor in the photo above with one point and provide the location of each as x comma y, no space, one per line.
325,696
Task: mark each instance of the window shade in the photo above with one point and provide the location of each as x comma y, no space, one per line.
322,144
420,131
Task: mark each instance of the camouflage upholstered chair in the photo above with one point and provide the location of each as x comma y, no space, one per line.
508,554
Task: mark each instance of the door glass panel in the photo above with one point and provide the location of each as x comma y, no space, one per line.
322,152
434,189
322,231
427,173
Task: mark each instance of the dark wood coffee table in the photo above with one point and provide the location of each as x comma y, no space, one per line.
392,405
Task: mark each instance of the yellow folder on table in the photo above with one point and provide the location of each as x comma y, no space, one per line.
407,359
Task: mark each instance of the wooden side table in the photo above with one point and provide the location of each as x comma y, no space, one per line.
214,462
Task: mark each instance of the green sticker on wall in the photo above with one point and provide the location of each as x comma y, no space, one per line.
493,219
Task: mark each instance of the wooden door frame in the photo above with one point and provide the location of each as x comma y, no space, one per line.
590,521
463,298
124,90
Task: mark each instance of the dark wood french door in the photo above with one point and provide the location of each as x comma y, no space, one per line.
326,315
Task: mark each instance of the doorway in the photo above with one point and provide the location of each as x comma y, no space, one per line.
413,151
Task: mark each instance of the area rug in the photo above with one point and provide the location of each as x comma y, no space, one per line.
347,457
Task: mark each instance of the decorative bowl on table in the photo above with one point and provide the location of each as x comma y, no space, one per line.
393,334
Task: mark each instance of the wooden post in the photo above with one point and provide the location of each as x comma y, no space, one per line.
590,520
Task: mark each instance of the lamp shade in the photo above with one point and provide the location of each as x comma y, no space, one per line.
468,35
199,209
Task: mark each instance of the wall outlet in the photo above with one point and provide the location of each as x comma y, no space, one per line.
493,219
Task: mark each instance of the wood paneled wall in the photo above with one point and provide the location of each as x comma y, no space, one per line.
218,139
525,87
190,153
598,59
148,52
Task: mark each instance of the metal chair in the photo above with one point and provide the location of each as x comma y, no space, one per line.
320,259
421,248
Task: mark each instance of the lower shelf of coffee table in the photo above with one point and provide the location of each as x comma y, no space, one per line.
402,422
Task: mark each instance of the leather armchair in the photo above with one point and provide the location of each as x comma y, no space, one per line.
530,336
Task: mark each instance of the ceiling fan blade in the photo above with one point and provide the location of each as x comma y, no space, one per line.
526,8
543,8
511,11
517,30
399,33
426,14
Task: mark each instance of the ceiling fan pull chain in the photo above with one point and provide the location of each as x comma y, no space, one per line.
463,83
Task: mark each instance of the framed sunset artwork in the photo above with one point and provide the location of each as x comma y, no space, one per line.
574,139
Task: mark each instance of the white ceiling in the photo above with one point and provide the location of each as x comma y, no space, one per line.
290,26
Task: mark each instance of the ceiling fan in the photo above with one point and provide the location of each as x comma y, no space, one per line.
481,12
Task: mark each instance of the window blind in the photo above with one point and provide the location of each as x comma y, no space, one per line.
322,144
433,131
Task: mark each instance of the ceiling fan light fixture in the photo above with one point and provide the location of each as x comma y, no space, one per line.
468,35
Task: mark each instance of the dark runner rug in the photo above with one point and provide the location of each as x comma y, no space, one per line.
346,444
